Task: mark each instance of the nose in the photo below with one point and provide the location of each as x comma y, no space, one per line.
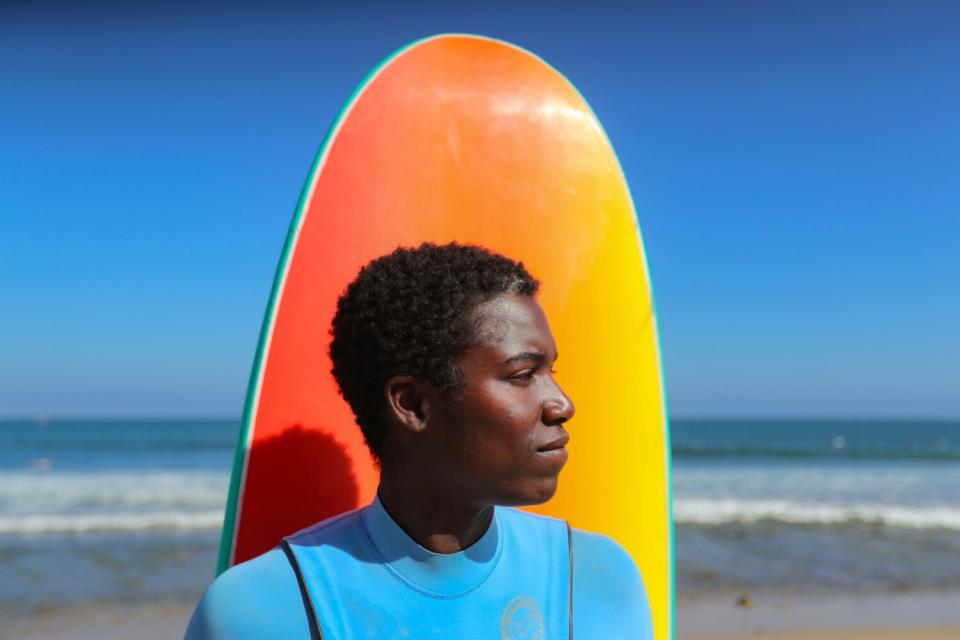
558,408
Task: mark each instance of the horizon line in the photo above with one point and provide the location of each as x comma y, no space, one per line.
680,418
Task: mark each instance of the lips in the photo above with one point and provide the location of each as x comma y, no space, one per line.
553,445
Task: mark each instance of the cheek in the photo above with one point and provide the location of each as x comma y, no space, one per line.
497,425
507,405
510,426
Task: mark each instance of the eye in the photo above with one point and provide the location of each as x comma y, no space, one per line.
523,376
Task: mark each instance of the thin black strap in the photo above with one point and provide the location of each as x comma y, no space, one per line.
307,601
570,595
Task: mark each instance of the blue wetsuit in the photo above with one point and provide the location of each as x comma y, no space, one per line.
361,576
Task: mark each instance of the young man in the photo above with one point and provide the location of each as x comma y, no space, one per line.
446,358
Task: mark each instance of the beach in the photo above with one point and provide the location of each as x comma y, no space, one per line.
820,615
783,530
100,622
823,616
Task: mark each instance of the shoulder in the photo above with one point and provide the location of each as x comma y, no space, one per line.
604,556
261,598
609,592
343,526
256,599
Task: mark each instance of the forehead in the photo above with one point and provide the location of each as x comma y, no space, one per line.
509,322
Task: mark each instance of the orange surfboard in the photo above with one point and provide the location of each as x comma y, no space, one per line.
463,138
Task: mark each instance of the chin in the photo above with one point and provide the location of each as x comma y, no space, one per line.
536,493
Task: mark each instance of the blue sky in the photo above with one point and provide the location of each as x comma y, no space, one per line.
794,167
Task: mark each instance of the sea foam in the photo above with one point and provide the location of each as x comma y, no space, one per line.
732,511
119,522
33,502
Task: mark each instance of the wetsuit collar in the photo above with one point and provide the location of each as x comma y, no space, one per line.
435,574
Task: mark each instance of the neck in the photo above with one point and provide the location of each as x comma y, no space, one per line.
435,520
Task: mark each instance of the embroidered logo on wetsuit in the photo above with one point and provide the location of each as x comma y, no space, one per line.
521,620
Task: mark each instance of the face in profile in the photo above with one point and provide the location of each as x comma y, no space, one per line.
500,438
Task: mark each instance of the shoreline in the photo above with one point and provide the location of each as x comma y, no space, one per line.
813,615
100,621
821,614
906,633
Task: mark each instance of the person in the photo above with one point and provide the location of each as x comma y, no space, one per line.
446,359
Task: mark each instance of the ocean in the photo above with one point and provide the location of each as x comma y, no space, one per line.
848,505
113,511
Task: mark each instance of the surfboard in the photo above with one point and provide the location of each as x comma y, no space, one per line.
469,139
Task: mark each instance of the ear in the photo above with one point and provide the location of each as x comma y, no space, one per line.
407,403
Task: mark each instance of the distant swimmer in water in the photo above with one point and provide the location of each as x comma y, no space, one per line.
446,359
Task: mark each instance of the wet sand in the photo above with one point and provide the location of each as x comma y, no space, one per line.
848,634
101,622
815,616
820,615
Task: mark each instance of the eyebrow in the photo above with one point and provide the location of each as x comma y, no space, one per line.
535,356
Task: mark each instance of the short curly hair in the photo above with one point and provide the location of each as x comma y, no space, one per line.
409,313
